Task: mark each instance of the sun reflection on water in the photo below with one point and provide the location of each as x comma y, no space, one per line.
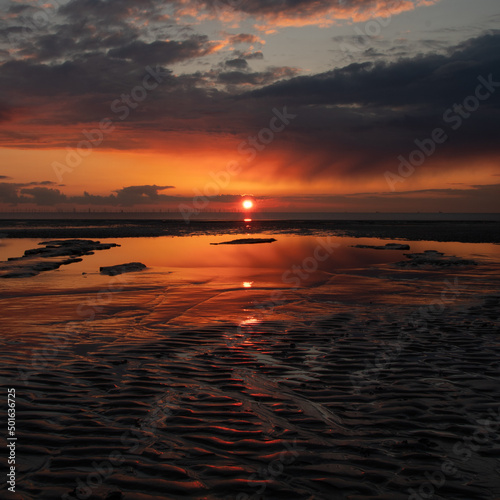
250,321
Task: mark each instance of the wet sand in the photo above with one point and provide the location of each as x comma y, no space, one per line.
364,382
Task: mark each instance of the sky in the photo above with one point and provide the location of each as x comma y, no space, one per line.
299,105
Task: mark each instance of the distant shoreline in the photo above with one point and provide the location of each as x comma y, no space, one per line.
465,231
255,216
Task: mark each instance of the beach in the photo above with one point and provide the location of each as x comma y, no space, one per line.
313,364
250,250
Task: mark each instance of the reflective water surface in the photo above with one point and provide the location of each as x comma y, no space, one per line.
303,368
197,281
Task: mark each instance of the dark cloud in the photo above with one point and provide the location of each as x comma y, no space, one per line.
46,183
248,55
82,27
159,52
237,63
92,52
30,192
81,92
42,196
110,12
126,197
386,107
93,75
148,195
253,55
479,198
244,38
14,193
256,78
427,81
42,183
362,47
70,42
6,112
9,193
136,195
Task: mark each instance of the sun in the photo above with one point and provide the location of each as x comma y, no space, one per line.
247,204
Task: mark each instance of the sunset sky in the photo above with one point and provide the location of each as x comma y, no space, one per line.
324,105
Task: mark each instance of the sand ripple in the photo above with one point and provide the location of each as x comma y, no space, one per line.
348,405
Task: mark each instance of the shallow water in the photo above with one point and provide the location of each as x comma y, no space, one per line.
253,371
184,256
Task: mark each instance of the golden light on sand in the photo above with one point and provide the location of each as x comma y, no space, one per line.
247,204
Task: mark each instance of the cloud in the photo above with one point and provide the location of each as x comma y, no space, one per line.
253,55
426,80
248,55
136,195
14,193
126,197
42,196
147,195
159,52
42,183
6,112
386,107
108,13
30,192
245,38
8,193
278,13
69,72
475,198
237,63
254,78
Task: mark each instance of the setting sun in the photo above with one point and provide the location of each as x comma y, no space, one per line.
247,204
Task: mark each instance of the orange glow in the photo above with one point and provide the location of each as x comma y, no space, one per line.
331,15
105,171
247,204
250,321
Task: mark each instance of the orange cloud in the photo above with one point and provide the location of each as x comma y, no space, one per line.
311,15
322,13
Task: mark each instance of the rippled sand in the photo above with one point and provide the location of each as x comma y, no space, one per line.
362,383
